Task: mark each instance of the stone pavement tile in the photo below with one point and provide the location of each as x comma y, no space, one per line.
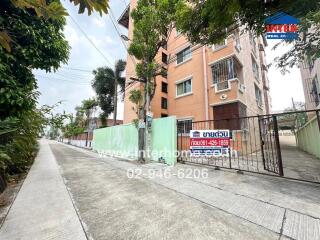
301,227
43,208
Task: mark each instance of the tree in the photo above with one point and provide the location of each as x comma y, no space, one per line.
136,98
208,22
118,81
89,106
29,39
49,9
153,23
105,83
293,120
39,43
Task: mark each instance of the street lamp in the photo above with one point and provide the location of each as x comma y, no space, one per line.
125,38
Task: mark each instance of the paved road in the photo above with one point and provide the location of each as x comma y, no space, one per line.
224,205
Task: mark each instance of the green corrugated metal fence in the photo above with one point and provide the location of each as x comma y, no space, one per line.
122,140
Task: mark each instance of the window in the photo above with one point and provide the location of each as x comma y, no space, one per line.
184,87
315,91
253,42
225,70
165,46
164,58
220,45
237,42
164,115
164,103
184,126
164,72
164,87
255,68
258,95
184,55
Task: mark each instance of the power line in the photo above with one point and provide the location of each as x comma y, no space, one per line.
65,80
75,77
92,43
77,69
112,18
125,4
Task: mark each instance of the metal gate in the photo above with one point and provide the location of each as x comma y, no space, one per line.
254,143
270,145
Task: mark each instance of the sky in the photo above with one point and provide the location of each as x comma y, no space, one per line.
71,83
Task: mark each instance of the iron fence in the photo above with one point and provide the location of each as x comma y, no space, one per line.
254,141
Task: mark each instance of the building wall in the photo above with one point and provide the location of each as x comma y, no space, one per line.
198,105
310,70
308,137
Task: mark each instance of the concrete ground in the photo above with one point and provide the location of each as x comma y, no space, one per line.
222,205
297,163
43,208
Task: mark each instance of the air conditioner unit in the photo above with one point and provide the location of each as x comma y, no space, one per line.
242,88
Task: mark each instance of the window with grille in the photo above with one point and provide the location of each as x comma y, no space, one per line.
253,43
184,126
184,55
223,71
315,91
255,68
258,95
219,45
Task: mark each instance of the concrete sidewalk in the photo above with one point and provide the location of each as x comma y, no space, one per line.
288,209
43,208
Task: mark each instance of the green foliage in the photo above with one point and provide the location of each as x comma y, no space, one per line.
208,22
18,140
50,9
153,23
293,121
103,84
79,123
38,43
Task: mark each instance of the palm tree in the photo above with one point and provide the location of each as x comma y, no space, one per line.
106,83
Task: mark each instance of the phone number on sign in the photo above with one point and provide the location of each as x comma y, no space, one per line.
167,173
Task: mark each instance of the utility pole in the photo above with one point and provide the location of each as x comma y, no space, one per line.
147,135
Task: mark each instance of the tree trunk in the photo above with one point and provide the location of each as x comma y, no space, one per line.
115,101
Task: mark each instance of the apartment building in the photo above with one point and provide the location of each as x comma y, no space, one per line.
225,80
310,74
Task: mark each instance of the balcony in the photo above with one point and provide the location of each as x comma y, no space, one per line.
225,71
124,18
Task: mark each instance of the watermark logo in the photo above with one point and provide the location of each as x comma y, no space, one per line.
282,26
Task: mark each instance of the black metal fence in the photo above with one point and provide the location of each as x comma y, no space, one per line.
254,141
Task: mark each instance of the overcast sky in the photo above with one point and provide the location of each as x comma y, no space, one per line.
72,86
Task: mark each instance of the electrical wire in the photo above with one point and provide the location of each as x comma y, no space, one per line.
112,18
90,41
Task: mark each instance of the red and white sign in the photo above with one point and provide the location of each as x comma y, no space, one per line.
209,142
